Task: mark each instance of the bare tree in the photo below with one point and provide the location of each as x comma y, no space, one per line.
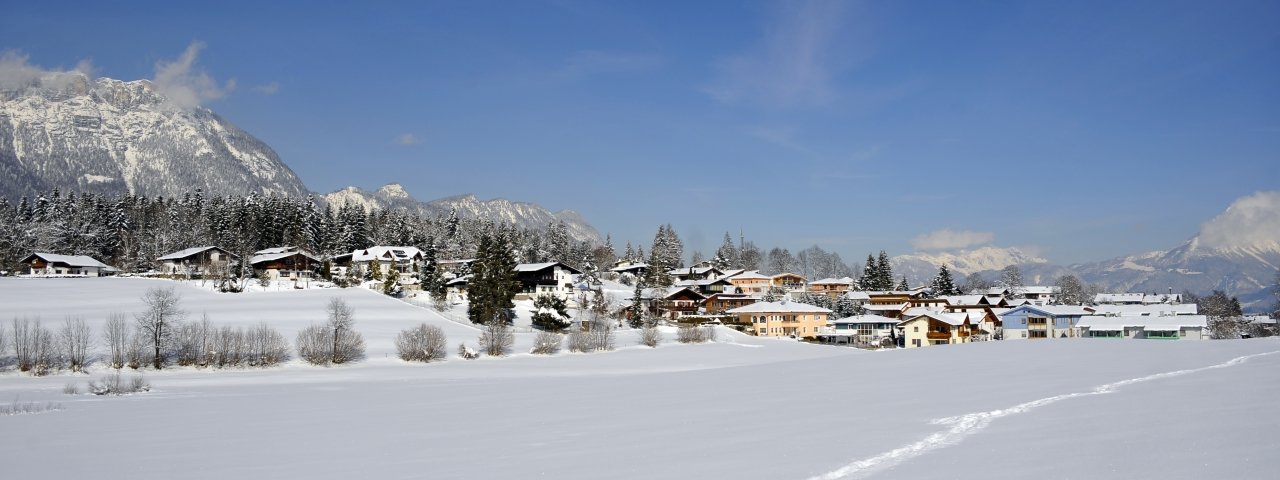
74,340
266,346
602,334
546,343
116,335
22,343
496,338
136,354
334,342
4,344
160,321
650,336
423,343
579,340
1226,327
33,346
1070,290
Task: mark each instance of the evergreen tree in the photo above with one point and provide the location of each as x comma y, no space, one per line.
726,256
391,282
493,283
375,270
870,275
1011,280
884,272
638,316
429,276
550,313
902,286
943,284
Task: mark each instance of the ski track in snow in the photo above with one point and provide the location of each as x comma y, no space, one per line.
962,426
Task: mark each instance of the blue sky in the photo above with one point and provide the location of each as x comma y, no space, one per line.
1085,130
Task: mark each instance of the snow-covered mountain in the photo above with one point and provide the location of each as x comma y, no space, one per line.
521,214
921,267
66,130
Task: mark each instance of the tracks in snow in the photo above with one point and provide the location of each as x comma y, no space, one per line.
962,426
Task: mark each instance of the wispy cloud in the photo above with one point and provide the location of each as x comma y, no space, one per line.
184,83
268,89
16,71
947,239
408,139
793,65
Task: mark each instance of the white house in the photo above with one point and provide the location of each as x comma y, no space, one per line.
207,260
937,329
860,329
1042,321
548,278
1161,327
406,259
53,264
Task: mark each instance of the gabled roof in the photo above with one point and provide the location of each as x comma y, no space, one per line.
71,260
947,318
673,291
788,274
885,307
779,307
703,283
1118,298
181,254
276,254
964,299
865,319
1157,309
833,281
537,267
1052,310
857,295
692,270
751,275
1155,324
400,254
459,281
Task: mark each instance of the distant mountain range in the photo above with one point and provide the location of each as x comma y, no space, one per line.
64,130
1238,252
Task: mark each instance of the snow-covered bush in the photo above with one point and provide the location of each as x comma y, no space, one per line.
546,343
467,352
602,335
423,343
579,341
115,384
334,342
694,334
650,336
496,339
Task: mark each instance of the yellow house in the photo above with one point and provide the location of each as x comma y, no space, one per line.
782,319
936,329
789,282
751,283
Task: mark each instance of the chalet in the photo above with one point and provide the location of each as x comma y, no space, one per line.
937,329
831,287
788,282
751,282
783,319
404,259
456,289
198,261
891,310
548,278
719,303
681,301
1042,321
636,270
700,272
1039,295
709,286
455,268
41,263
1163,327
861,330
284,262
984,317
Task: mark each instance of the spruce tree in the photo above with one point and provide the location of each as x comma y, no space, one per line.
637,317
493,283
870,275
885,272
375,270
902,286
943,284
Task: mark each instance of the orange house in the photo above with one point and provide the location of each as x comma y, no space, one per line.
783,319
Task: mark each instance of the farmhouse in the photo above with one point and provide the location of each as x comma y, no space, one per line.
198,261
936,329
41,263
284,262
549,278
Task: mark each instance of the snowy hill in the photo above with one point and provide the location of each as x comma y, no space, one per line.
521,214
68,131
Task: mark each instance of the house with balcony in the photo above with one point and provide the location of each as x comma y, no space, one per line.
719,303
1034,322
548,278
681,301
831,287
788,282
198,262
783,319
751,282
708,286
871,330
284,262
1146,310
626,268
933,328
405,260
702,271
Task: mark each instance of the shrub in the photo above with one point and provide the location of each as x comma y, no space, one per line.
467,352
423,343
650,336
496,339
334,342
115,384
22,408
693,334
546,343
579,341
602,335
70,389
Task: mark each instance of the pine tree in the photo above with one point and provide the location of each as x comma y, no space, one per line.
727,255
884,272
391,284
637,319
493,283
375,270
429,274
870,275
902,286
943,284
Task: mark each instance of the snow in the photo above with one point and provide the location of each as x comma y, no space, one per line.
778,409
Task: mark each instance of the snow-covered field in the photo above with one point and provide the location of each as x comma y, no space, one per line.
740,408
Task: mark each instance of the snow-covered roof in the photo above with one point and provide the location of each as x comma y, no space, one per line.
919,311
1156,324
885,307
626,267
1153,310
779,307
275,254
181,254
857,295
865,319
833,281
1037,290
1118,298
459,281
701,283
692,270
677,289
751,275
1054,310
732,273
534,267
71,260
1173,298
401,254
948,318
963,299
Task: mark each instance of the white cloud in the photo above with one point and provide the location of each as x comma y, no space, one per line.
1249,221
792,67
408,139
947,239
268,89
185,84
16,72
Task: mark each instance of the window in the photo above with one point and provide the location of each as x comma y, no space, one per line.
915,329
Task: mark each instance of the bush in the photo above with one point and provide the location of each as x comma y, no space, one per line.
115,384
496,339
602,336
334,342
650,336
22,408
579,341
546,343
467,352
423,343
70,389
692,334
